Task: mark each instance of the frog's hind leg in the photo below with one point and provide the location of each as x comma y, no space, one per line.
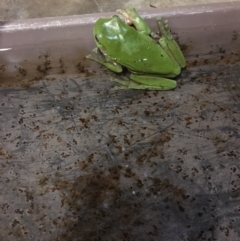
141,82
129,84
169,44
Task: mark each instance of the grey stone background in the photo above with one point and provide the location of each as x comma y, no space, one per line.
22,9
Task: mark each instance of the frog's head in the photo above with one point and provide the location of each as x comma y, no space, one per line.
106,29
103,24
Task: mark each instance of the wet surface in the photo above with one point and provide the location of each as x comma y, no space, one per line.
81,161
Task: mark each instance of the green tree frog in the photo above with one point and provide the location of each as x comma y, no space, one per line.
152,59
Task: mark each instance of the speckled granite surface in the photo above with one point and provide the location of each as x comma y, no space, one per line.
83,162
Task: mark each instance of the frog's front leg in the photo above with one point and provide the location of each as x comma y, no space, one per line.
168,43
143,82
103,60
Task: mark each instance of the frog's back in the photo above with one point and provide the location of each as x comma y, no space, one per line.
138,52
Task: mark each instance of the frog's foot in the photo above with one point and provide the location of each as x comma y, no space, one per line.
169,44
164,28
155,36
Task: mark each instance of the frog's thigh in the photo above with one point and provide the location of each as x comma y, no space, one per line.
169,44
154,81
173,51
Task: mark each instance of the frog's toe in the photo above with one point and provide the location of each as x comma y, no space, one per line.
163,23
